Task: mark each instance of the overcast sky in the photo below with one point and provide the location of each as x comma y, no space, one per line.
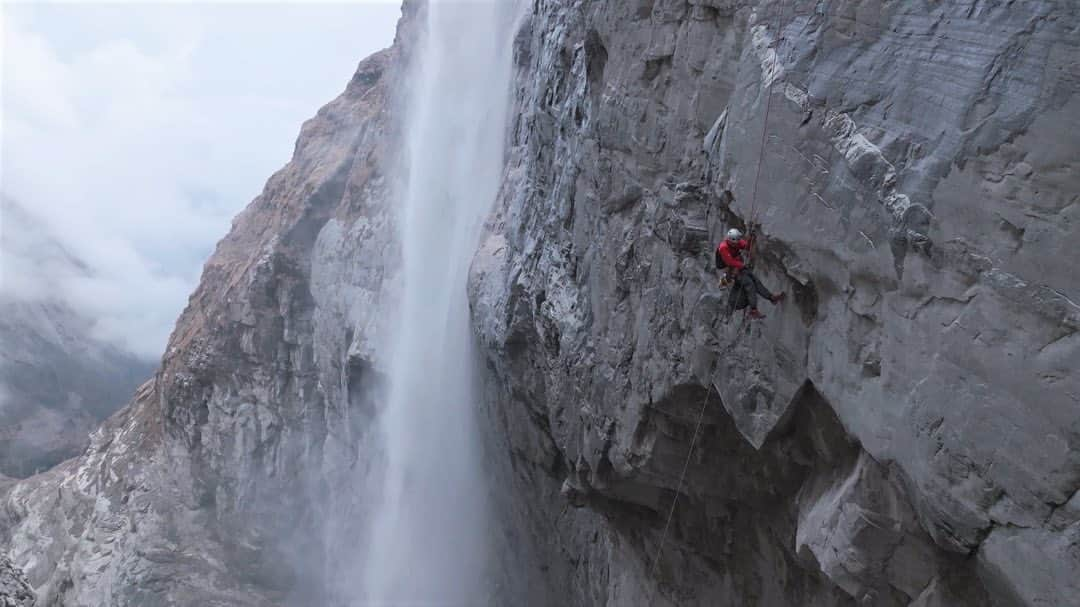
136,131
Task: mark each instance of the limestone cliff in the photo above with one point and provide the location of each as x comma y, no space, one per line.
902,431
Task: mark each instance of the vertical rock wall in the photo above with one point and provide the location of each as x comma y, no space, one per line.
904,429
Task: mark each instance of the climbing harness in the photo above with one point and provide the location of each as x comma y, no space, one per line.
728,280
708,390
752,224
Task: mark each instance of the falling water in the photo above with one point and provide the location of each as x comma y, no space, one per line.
429,534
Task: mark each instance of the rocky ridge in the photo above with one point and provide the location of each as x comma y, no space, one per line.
212,487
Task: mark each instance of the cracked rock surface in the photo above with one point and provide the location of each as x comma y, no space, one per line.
15,591
917,200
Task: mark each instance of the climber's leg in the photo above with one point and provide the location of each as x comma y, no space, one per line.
761,290
746,283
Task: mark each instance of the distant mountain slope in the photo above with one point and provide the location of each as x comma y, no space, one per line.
57,382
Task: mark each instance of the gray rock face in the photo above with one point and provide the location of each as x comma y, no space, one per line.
917,201
902,431
15,591
225,481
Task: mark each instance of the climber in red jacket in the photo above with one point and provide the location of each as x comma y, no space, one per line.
729,257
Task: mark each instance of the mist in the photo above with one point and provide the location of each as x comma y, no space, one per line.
133,133
430,527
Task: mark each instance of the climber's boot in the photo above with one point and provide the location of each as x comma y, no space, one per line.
779,297
755,314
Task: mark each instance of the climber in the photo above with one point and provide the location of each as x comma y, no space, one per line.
746,287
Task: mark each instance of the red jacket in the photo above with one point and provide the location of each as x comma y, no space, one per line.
730,253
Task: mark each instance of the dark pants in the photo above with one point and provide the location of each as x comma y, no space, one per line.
745,291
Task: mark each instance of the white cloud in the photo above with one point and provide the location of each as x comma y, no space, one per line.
136,132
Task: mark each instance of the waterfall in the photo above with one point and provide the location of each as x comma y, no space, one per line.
429,534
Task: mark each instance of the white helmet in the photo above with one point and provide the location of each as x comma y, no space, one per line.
734,234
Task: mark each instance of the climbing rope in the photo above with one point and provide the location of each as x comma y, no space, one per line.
686,466
764,132
678,487
738,333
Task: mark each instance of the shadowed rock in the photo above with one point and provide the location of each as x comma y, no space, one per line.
15,591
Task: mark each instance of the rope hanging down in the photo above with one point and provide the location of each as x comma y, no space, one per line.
708,390
686,466
678,487
764,132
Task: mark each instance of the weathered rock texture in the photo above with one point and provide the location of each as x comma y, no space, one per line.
212,486
15,591
903,431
